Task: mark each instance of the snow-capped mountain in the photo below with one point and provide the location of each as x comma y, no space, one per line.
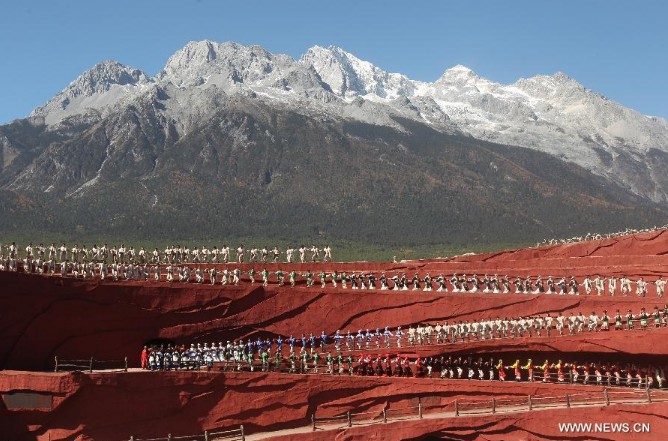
350,77
96,90
557,115
231,140
230,65
549,113
554,114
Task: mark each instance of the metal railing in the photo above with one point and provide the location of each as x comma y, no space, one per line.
385,414
458,407
533,402
89,364
215,435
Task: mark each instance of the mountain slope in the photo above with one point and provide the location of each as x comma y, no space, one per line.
553,114
251,170
233,140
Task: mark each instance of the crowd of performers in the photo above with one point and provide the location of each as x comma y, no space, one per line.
599,236
447,333
314,350
454,332
261,357
179,264
488,329
459,283
38,255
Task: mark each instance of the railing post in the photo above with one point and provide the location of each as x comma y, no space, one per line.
206,435
607,397
169,437
350,419
568,400
420,407
313,420
126,364
456,408
243,434
384,415
649,397
530,404
90,370
493,405
56,367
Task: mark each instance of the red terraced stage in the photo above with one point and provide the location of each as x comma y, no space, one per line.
109,320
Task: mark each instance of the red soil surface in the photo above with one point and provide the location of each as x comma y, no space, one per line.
144,404
541,425
43,317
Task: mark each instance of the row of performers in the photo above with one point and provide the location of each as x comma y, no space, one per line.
461,283
448,333
398,365
480,369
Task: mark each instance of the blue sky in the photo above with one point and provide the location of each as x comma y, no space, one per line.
619,49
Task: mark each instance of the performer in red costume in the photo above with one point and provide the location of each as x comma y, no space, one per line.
144,358
529,367
501,369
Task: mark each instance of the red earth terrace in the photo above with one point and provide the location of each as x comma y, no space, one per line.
592,377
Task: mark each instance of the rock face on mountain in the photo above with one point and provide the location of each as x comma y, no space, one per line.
350,77
328,145
93,92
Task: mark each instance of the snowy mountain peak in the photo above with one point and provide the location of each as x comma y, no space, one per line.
330,51
350,76
336,68
100,86
561,77
556,85
457,74
230,63
195,56
199,53
101,77
552,113
460,68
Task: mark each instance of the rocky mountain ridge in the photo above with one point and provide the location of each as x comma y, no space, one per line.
550,113
327,144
